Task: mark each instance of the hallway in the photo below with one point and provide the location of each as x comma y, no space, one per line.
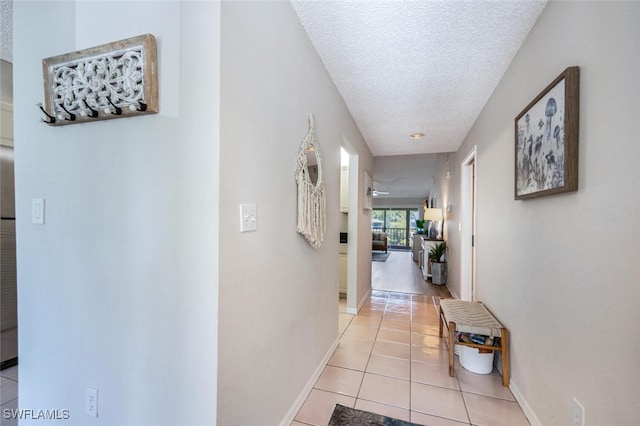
390,361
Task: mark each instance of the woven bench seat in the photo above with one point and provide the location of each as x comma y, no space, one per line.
474,318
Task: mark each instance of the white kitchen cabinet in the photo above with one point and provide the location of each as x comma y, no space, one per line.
343,274
343,269
344,189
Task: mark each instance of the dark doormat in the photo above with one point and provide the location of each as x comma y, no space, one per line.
345,416
380,257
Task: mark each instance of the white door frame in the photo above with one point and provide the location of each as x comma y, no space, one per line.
469,171
352,228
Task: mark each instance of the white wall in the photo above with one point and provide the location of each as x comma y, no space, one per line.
561,271
118,290
278,296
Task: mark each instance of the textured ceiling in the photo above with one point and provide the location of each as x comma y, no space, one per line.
404,176
407,67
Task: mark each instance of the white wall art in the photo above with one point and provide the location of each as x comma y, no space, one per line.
114,80
311,197
367,202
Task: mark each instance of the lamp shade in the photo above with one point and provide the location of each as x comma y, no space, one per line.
432,214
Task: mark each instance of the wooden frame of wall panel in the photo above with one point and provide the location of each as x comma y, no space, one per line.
525,166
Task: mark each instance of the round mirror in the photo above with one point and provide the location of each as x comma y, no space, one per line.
312,165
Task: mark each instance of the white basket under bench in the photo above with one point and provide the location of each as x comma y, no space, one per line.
475,318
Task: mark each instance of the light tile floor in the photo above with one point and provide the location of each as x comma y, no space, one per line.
8,394
391,361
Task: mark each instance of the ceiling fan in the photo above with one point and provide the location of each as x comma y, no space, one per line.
377,193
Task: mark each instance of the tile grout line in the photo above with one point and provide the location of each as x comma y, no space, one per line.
410,360
371,352
379,326
393,300
411,410
466,409
457,377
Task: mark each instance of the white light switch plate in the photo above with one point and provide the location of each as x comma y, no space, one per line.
37,211
248,217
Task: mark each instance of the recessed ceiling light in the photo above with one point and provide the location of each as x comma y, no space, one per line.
417,136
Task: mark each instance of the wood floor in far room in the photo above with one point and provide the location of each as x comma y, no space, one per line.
400,274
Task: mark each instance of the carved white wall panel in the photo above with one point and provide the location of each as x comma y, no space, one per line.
114,80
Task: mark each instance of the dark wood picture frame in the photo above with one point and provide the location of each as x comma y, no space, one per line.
546,140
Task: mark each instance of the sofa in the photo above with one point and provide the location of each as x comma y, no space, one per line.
379,241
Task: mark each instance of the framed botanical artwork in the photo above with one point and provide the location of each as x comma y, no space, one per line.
546,140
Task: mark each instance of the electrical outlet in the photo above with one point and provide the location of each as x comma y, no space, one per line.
37,211
578,414
91,402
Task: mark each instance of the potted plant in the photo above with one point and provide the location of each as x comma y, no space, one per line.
420,226
438,264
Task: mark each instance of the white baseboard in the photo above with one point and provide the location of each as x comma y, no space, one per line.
364,299
453,293
524,404
355,311
291,414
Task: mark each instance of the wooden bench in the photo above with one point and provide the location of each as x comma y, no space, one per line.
475,318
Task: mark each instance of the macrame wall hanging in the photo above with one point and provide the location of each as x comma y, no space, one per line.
311,197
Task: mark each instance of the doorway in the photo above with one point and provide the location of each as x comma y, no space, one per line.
344,228
8,283
350,183
468,226
398,223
